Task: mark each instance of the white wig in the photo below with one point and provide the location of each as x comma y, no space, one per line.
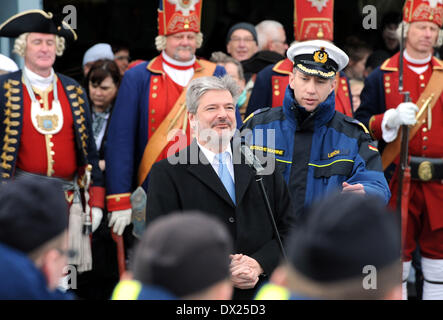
20,45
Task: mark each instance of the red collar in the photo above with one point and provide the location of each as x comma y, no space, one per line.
155,65
391,64
417,65
177,67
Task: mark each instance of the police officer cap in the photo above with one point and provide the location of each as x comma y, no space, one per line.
317,58
33,211
341,235
183,253
36,21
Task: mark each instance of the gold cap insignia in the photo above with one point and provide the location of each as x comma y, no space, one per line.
320,56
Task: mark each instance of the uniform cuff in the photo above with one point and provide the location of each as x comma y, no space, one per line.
97,197
121,201
375,126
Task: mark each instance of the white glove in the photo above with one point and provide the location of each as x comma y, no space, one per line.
97,215
403,114
120,219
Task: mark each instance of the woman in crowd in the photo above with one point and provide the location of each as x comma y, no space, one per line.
103,81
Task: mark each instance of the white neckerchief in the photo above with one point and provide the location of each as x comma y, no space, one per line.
181,77
39,82
417,70
214,162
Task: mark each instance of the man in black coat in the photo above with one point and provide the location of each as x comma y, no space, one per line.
211,176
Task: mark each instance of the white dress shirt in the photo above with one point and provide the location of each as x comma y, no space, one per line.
211,156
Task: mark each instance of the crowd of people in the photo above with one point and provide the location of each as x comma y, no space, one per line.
258,173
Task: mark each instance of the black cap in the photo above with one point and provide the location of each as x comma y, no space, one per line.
33,211
341,235
183,253
242,25
36,21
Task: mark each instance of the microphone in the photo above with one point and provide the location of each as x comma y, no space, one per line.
251,159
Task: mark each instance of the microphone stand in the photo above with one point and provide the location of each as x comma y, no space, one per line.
259,179
254,163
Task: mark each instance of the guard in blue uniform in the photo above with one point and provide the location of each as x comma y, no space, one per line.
317,149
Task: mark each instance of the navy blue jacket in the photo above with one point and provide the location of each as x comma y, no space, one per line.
21,280
318,153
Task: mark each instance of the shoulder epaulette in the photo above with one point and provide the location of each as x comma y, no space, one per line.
390,64
356,122
284,66
258,111
437,63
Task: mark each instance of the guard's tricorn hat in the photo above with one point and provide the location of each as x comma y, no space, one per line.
36,21
317,58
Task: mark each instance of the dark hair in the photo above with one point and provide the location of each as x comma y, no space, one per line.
356,49
390,17
101,69
376,58
118,46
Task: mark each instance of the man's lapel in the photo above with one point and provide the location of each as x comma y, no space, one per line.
242,172
200,167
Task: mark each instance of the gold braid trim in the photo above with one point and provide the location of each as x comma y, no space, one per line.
316,72
7,148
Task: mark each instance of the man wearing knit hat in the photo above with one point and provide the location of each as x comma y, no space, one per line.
347,247
33,238
384,110
149,113
182,255
317,149
243,45
241,41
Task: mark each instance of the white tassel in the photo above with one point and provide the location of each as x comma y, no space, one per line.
78,241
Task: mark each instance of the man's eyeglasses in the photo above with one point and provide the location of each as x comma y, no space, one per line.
69,253
237,39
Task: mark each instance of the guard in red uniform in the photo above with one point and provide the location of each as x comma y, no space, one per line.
45,124
150,106
383,111
311,21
